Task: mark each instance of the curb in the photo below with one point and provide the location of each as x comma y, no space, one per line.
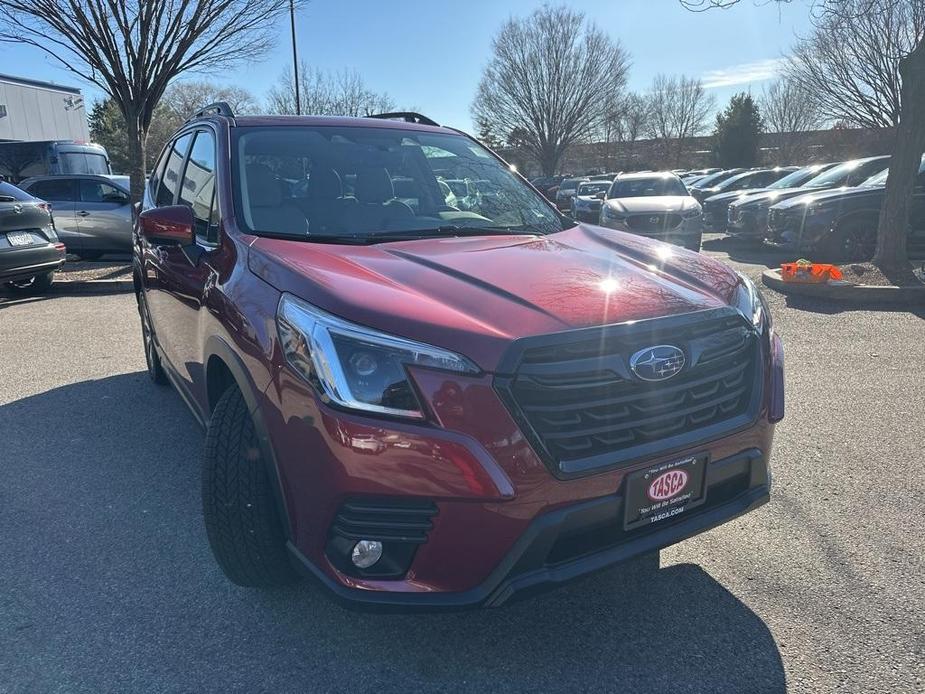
91,286
849,293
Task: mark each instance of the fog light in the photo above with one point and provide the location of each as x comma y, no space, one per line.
366,553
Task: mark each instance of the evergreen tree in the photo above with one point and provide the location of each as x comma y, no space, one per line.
738,129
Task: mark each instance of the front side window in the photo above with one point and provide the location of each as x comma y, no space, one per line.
173,170
198,189
97,191
649,186
364,184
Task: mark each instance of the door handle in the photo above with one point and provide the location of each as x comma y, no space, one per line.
84,213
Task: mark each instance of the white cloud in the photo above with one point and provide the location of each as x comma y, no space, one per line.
743,73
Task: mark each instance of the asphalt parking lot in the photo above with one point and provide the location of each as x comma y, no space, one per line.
109,586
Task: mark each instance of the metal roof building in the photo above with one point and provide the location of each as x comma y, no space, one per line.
35,110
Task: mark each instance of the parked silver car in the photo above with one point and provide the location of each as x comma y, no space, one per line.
92,214
656,205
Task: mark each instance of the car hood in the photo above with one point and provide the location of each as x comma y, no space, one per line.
653,203
475,295
831,195
775,195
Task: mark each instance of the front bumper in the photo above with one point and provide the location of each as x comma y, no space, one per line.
715,216
747,223
579,539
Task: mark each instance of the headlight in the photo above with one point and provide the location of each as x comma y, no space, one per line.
752,303
611,214
354,366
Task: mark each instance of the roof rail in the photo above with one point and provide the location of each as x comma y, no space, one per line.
220,108
407,116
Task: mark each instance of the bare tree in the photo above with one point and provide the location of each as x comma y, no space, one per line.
133,50
182,99
876,77
551,79
850,61
327,94
679,108
626,121
789,109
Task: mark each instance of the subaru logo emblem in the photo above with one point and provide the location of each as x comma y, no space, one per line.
657,363
654,220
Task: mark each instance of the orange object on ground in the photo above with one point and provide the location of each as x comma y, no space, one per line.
809,272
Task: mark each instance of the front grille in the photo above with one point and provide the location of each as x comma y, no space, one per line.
653,223
583,408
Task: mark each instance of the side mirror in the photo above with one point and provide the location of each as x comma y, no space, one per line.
601,196
168,225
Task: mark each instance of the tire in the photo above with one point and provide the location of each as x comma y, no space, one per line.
89,255
33,285
853,241
152,360
242,521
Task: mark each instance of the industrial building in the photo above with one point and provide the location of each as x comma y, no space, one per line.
35,110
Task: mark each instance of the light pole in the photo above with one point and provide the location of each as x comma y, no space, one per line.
295,59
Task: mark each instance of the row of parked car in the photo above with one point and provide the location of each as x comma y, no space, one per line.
44,217
829,211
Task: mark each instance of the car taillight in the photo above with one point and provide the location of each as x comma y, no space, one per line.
776,405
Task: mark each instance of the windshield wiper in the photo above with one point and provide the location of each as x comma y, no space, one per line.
456,230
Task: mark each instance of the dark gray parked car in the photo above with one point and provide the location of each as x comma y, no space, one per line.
30,251
93,214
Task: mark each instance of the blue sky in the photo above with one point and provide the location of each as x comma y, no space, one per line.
430,54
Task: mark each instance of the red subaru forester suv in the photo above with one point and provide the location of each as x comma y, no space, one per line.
426,399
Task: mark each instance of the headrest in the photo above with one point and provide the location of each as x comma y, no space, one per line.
323,184
374,185
262,187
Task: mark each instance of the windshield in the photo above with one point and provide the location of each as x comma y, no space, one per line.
353,184
879,179
593,188
83,163
717,177
841,174
570,183
796,179
650,186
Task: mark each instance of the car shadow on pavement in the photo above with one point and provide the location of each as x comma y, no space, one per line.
746,251
831,307
110,586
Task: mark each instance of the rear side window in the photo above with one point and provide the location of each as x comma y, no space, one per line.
198,189
55,190
10,193
173,170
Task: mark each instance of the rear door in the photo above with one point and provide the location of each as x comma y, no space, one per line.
104,217
61,193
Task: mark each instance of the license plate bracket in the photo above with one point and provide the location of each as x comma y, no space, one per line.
663,491
19,238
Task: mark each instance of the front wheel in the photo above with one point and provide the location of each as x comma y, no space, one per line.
242,521
853,241
33,285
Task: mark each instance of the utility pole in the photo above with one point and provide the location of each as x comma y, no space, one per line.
295,59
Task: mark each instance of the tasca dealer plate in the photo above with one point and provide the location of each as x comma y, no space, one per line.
664,491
